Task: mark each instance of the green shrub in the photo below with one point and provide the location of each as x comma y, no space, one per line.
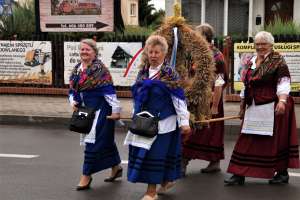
281,27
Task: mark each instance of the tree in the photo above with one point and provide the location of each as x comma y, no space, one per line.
14,24
158,17
145,13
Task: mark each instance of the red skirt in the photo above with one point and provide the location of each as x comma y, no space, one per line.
261,156
207,143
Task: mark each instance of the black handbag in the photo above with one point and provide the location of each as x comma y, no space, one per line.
82,120
144,124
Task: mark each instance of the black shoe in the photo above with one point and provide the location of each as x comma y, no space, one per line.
235,179
118,174
279,179
210,170
85,187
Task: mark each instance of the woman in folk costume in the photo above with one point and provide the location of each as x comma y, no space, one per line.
157,160
208,143
91,85
265,151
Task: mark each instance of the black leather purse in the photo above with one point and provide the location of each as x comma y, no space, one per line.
82,120
144,124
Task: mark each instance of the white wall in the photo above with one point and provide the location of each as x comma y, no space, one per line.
258,9
125,10
296,11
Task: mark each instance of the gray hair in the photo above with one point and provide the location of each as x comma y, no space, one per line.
92,43
266,36
206,30
157,40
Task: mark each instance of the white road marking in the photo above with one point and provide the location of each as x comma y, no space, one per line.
124,162
4,155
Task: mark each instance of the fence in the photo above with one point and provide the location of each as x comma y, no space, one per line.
58,39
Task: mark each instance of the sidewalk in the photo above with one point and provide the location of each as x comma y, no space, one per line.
29,109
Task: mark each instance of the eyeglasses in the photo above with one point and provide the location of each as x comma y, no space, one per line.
261,44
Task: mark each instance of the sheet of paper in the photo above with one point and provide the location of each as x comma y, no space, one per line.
259,119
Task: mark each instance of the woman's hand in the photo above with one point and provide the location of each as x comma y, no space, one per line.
214,109
114,116
74,106
185,130
280,108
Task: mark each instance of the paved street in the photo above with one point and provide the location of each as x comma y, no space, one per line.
55,166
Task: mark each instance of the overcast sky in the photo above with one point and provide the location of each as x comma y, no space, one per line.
158,4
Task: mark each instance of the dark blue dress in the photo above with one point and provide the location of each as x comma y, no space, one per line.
161,163
103,153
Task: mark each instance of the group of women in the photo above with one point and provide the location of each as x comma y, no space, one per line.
163,159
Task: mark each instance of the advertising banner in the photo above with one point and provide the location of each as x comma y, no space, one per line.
121,58
76,15
25,62
290,51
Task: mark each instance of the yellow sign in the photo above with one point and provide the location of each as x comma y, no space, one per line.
282,47
245,51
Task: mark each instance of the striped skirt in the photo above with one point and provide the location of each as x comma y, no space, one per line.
159,164
103,153
207,143
261,156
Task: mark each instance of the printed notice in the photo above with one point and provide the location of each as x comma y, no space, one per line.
25,62
259,119
118,57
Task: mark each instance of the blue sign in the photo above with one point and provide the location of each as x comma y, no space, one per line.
5,7
1,6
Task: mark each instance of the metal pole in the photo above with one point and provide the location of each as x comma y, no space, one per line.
203,10
37,17
250,21
225,18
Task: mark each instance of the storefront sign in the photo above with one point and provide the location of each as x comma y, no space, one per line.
117,56
290,51
25,62
76,15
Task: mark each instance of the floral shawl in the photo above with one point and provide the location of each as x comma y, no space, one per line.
167,79
273,63
219,60
167,74
96,75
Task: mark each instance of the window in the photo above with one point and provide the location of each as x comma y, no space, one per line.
280,8
133,9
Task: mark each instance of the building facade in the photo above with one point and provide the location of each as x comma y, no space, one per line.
236,17
130,14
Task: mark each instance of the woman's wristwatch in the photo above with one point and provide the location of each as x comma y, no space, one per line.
283,101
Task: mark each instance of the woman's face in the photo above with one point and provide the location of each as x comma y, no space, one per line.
87,53
262,47
155,55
